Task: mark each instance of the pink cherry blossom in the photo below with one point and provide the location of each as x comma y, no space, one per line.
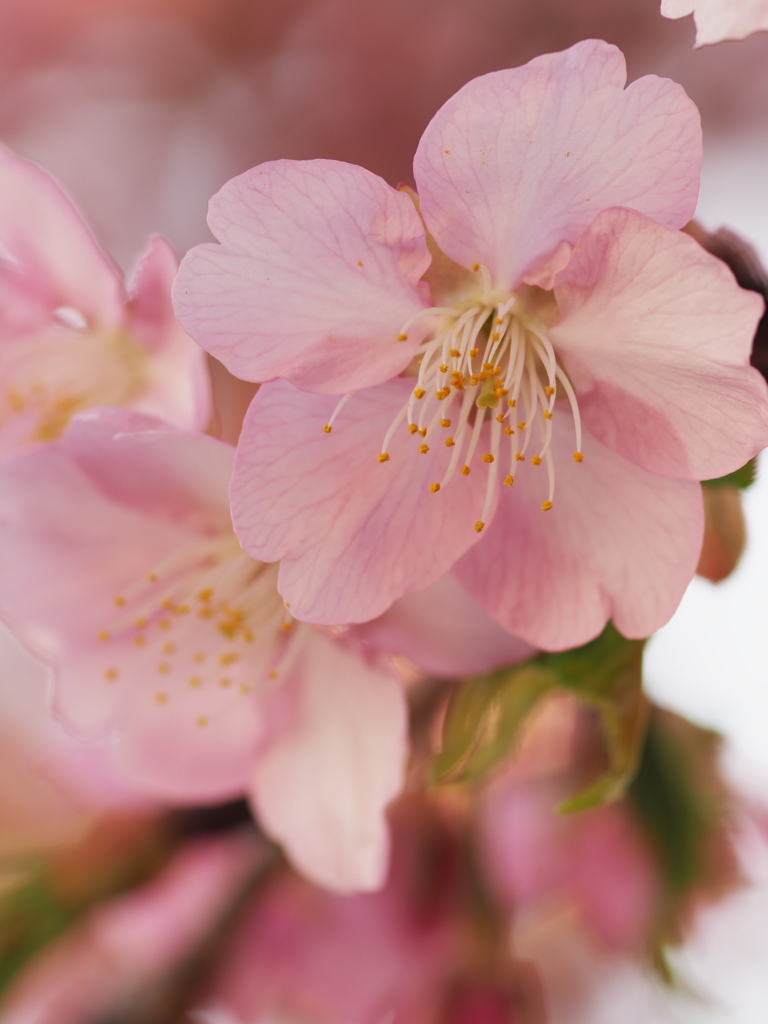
720,19
564,339
71,335
127,944
121,569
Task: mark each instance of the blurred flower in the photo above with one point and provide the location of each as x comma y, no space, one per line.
70,336
122,570
598,317
113,960
720,19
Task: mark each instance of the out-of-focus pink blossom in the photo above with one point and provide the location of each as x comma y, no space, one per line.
125,946
720,19
71,336
563,338
597,864
300,954
121,569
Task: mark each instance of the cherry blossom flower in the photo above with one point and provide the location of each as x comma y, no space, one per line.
71,338
563,338
717,20
121,569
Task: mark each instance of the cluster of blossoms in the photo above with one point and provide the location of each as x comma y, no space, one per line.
485,409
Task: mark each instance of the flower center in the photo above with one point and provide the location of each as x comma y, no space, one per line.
50,376
207,622
487,385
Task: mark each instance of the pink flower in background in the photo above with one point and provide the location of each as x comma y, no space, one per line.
125,946
121,569
70,336
564,349
717,20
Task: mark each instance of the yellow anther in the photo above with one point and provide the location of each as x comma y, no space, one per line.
500,391
412,428
443,368
479,526
327,428
229,658
422,431
103,635
247,635
474,380
434,488
201,721
474,352
111,674
152,577
488,458
549,390
120,602
445,423
511,402
169,648
509,479
547,414
536,460
244,688
520,457
475,267
139,641
442,393
465,470
419,392
383,457
508,431
286,626
578,457
495,335
140,623
272,674
455,352
287,604
497,321
489,367
167,604
423,448
402,337
164,668
546,506
449,442
521,425
225,682
500,418
195,681
205,594
161,697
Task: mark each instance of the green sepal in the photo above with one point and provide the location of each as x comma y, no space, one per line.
741,478
484,718
607,675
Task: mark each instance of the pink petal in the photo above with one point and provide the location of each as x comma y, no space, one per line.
178,388
720,19
656,335
353,534
315,277
322,787
444,631
520,160
45,237
67,550
138,463
619,543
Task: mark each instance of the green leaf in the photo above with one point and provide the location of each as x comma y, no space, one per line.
741,478
484,718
